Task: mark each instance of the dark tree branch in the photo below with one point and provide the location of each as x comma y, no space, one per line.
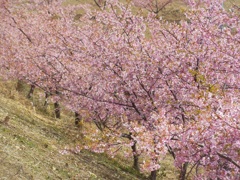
228,159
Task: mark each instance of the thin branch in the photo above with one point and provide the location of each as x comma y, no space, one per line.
228,159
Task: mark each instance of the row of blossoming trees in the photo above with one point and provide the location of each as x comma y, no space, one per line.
156,87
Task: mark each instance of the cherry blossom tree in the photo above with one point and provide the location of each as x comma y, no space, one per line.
188,83
39,52
156,87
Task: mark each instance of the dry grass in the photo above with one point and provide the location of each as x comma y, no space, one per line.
172,12
31,141
30,144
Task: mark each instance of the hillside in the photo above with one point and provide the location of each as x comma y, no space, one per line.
202,137
30,146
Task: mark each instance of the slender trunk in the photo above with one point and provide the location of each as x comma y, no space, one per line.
153,175
78,118
57,110
183,171
170,150
47,94
134,150
57,107
30,93
135,157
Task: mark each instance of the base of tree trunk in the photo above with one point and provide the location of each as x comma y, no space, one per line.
135,157
30,93
57,110
153,175
78,119
183,171
47,94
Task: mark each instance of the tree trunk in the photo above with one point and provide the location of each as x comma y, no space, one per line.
47,94
78,118
153,175
134,150
30,93
183,171
57,107
135,157
57,110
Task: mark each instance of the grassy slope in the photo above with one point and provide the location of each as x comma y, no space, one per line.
30,144
172,12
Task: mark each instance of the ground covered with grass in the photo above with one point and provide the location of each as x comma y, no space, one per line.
30,145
